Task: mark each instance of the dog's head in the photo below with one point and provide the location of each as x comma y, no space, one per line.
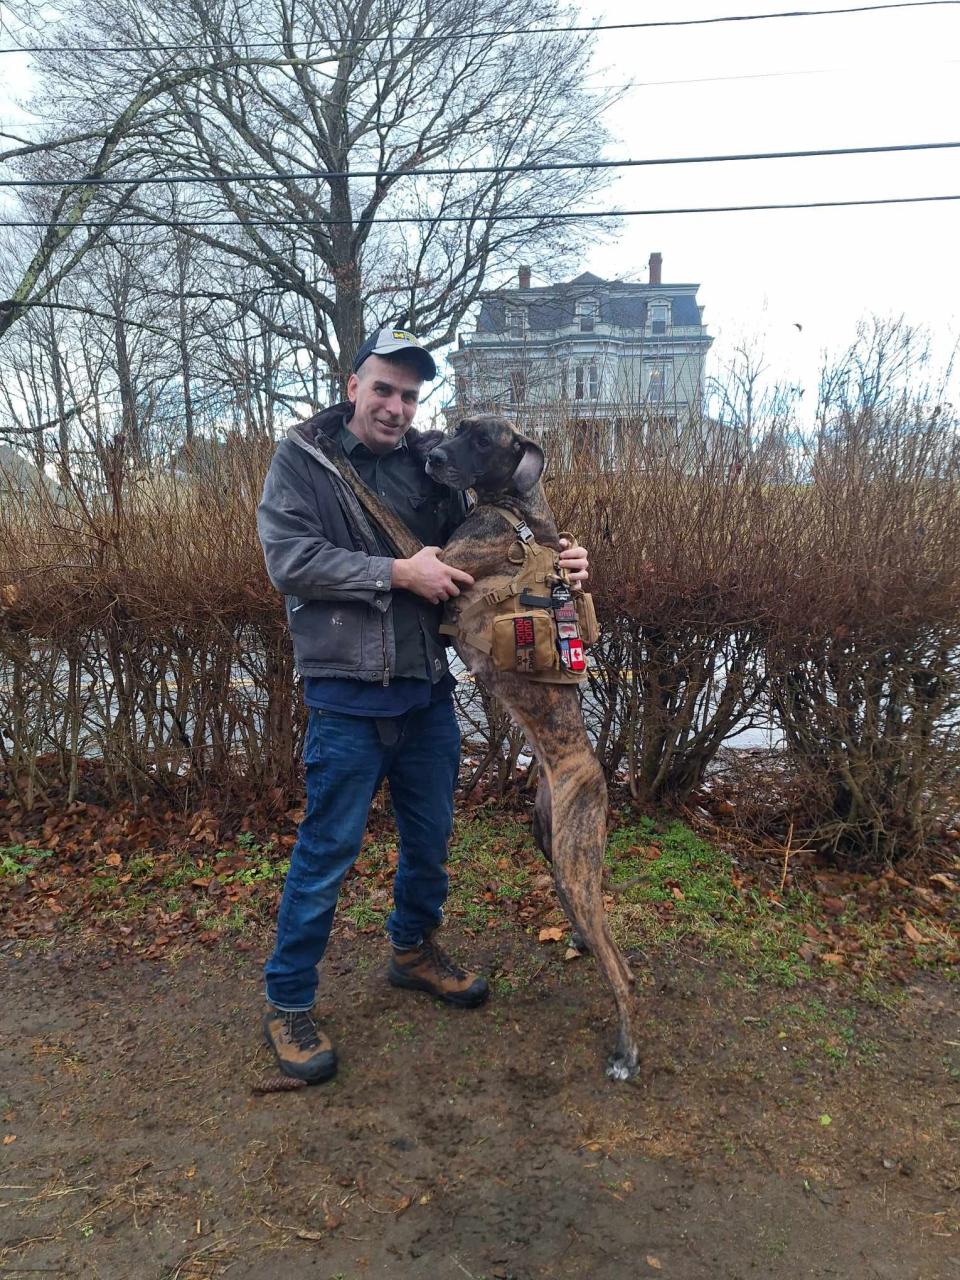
487,454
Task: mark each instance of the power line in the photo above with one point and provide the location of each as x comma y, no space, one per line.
858,68
280,224
494,34
545,167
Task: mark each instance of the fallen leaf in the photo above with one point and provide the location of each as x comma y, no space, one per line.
551,934
946,881
651,1260
113,859
571,953
832,957
310,1235
913,933
402,1205
8,1138
333,1219
825,1120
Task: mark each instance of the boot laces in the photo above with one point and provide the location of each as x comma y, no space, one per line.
301,1029
444,963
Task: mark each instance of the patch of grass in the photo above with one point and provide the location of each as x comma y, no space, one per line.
488,864
403,1030
831,1034
181,875
140,865
674,885
236,920
17,861
261,871
363,913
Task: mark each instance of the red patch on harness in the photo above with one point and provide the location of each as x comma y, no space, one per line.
523,636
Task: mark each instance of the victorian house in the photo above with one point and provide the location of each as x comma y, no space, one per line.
590,354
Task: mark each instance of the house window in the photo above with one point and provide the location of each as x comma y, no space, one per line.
657,381
586,382
659,317
516,322
518,386
588,312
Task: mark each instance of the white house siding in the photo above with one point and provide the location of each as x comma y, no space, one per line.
646,349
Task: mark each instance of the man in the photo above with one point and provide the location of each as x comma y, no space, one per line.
376,682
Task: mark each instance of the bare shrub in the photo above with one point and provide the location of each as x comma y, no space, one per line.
138,627
864,660
682,530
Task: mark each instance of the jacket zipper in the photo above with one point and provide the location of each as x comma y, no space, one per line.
386,663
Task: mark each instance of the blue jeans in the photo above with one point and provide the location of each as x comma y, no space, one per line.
346,762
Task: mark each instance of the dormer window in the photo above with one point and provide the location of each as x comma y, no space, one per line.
588,313
659,317
517,322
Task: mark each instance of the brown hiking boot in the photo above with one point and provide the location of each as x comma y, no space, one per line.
429,968
300,1047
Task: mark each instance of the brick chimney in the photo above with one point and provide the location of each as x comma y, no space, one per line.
656,268
524,277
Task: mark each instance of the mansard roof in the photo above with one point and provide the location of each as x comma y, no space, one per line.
551,307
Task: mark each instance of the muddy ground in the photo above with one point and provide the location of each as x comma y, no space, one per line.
771,1134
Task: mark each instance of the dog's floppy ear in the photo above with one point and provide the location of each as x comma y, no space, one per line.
530,467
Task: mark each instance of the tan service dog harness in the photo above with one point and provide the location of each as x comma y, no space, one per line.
517,622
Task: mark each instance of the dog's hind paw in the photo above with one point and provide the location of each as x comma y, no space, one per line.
623,1066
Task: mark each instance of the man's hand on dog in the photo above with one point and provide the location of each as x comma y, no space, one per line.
426,576
576,562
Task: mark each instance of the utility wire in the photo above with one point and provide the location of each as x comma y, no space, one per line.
547,167
856,68
495,34
280,224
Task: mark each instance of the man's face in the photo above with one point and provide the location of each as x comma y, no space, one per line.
385,394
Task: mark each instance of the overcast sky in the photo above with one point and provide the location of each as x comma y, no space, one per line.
783,84
853,80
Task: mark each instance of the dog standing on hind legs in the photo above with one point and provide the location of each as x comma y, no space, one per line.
503,468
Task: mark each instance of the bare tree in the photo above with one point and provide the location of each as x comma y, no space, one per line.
375,96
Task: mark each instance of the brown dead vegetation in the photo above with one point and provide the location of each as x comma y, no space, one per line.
814,580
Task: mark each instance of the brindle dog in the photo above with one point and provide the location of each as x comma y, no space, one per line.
503,468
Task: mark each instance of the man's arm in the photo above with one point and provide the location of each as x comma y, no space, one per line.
300,560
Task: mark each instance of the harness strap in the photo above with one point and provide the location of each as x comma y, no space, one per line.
517,523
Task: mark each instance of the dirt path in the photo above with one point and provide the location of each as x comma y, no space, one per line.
772,1134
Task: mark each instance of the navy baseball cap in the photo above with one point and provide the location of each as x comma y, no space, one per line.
397,342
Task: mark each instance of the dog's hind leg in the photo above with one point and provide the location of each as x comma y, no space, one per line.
570,820
543,817
579,831
543,839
